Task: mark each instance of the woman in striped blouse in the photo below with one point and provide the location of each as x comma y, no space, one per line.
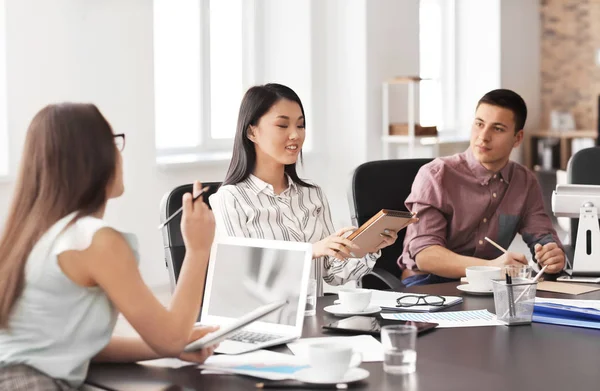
263,197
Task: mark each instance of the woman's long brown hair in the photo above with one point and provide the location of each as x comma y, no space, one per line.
68,162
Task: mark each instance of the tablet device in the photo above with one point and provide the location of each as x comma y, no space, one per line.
372,325
368,235
226,331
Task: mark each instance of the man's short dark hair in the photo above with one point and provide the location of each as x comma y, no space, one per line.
509,100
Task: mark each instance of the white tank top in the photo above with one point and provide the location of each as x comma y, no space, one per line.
56,325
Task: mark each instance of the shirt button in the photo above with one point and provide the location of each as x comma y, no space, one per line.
501,180
494,195
495,175
481,242
485,220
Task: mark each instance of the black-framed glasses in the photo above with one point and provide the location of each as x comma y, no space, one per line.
413,300
120,141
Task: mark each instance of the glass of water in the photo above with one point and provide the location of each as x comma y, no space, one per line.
311,298
399,342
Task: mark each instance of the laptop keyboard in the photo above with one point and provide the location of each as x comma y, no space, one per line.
252,337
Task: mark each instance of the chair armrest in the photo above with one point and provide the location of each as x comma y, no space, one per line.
387,278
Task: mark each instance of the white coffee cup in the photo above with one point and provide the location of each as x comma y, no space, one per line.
480,277
354,300
330,361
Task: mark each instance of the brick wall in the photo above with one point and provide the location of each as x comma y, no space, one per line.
570,77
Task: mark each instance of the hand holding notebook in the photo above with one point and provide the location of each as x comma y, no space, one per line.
374,234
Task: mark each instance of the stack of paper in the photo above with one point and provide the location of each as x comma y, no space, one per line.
388,301
577,313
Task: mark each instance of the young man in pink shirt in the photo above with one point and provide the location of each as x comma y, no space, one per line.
463,198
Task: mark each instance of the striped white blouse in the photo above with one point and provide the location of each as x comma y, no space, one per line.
251,209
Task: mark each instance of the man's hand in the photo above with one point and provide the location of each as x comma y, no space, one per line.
509,258
550,255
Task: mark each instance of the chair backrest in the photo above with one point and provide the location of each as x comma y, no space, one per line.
383,184
172,238
582,170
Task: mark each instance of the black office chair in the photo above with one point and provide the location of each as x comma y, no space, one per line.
172,239
582,170
383,184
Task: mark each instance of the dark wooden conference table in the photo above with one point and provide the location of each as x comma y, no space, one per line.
532,357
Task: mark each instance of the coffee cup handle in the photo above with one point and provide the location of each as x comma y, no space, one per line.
356,359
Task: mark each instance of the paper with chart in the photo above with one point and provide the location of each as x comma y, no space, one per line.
449,319
263,364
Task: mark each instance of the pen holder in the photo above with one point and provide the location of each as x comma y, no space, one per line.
514,302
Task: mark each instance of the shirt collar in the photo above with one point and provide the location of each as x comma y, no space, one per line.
484,175
259,186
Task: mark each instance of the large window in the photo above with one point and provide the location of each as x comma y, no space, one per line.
202,67
4,149
436,48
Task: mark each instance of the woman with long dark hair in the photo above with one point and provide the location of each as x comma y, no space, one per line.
263,197
65,273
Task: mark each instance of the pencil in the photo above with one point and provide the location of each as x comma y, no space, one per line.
204,190
499,247
300,385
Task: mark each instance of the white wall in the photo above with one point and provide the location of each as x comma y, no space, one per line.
520,60
101,52
477,55
392,50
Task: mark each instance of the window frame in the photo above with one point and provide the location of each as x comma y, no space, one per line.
206,143
447,77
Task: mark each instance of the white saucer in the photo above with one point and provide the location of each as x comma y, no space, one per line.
338,310
353,375
467,288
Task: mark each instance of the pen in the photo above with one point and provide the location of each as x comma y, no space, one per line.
204,190
509,290
537,277
300,385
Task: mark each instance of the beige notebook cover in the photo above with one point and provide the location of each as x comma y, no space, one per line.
563,287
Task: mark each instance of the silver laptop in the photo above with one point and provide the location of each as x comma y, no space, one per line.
244,274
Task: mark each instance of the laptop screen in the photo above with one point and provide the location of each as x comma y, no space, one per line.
244,277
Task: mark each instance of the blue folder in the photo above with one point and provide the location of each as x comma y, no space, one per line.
566,315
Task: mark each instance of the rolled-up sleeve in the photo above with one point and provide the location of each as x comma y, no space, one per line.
536,226
229,215
427,201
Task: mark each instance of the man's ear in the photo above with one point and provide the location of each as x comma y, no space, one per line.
518,138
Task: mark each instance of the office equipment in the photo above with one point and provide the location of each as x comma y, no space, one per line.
581,201
577,313
171,234
372,325
178,211
535,279
376,185
229,330
246,273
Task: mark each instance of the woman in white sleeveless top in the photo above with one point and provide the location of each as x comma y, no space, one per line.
263,197
65,274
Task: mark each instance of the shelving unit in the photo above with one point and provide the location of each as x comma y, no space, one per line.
411,139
